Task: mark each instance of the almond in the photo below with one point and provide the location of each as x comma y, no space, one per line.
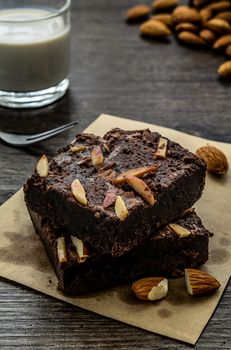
228,50
164,4
42,167
120,208
198,3
222,41
97,156
79,192
108,174
207,35
185,14
138,172
138,12
225,69
106,147
81,249
77,149
181,231
166,18
220,6
109,199
61,250
224,15
189,27
141,188
150,288
162,148
155,29
219,26
191,39
214,158
205,14
200,282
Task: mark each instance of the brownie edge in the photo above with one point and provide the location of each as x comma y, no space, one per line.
177,184
163,254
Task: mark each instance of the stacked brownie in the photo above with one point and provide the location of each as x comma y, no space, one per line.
113,209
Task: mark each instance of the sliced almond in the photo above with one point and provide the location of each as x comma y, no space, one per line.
77,149
106,147
81,249
79,192
162,148
154,29
138,172
141,188
97,156
108,174
61,250
179,230
109,199
200,282
120,208
150,288
42,167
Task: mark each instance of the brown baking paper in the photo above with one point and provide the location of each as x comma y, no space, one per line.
179,316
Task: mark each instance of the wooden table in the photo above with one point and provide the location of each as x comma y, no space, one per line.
113,71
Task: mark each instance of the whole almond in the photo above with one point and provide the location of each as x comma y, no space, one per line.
150,288
198,3
164,4
185,14
220,6
189,27
214,158
225,69
154,29
207,35
138,12
200,282
222,41
166,18
205,14
228,50
219,26
191,39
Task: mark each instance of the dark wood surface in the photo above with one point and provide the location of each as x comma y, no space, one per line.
113,71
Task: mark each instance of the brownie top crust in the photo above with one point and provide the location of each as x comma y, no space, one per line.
97,163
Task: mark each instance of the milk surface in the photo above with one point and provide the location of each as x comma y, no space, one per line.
33,55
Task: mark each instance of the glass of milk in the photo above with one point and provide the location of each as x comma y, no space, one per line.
34,52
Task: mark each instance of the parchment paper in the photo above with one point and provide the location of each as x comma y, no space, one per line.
179,316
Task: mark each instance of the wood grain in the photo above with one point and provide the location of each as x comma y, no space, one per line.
112,71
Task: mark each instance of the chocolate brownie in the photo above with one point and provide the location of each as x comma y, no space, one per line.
172,181
165,253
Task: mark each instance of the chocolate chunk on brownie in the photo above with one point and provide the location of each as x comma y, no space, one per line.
114,191
167,252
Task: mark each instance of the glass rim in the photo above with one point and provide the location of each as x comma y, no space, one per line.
59,12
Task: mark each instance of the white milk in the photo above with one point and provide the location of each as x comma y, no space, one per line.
33,55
